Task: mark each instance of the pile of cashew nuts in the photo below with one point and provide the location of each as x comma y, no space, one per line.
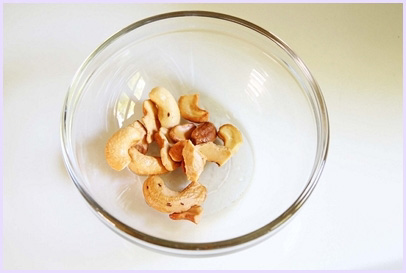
188,145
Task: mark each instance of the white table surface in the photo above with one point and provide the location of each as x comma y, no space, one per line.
353,220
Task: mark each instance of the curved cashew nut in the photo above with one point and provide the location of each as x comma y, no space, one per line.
163,143
181,132
116,150
215,153
142,146
150,119
175,152
144,164
168,110
193,160
189,109
193,214
231,136
163,199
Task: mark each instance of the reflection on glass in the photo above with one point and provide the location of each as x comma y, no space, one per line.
130,110
255,86
126,104
122,108
136,84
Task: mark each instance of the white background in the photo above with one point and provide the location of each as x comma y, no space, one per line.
353,220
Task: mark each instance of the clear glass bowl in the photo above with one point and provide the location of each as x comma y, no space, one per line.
246,76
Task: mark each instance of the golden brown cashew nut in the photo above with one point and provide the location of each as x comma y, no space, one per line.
163,143
193,160
150,119
231,136
168,110
181,132
194,214
189,109
116,150
144,164
215,153
175,152
160,197
142,145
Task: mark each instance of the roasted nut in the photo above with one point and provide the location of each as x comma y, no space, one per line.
142,146
215,153
193,160
163,143
116,150
205,132
231,136
160,197
168,110
175,152
186,145
144,164
189,109
181,132
193,214
158,139
150,119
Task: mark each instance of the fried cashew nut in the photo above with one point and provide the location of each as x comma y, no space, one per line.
168,110
116,150
193,160
215,153
181,132
194,214
231,137
163,143
142,145
150,119
175,152
144,164
160,197
189,109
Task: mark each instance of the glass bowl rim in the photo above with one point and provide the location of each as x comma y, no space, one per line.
216,247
